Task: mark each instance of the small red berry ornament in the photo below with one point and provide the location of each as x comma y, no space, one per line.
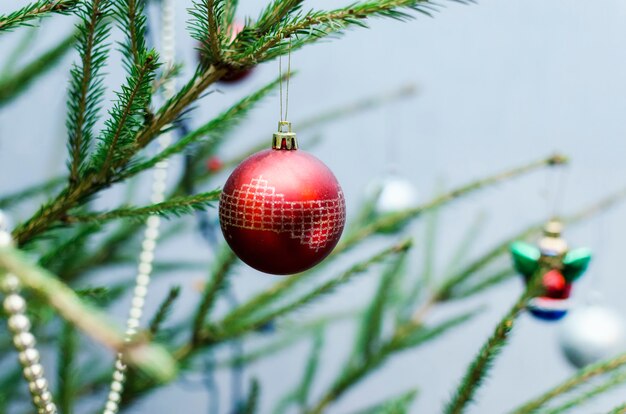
214,164
282,210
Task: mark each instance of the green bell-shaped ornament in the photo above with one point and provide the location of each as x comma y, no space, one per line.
525,258
575,263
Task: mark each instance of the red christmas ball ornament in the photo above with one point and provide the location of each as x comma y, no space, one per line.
214,164
282,210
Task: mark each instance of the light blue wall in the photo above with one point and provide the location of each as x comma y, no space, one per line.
501,83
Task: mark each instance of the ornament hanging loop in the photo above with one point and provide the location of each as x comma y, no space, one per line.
285,138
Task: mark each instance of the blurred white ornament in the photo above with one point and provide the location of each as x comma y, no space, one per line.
591,334
394,194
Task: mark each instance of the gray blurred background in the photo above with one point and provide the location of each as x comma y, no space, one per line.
500,84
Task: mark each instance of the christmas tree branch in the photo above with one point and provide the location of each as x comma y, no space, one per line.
620,409
396,405
13,85
578,379
152,360
404,337
230,327
86,82
163,311
617,379
35,10
223,266
479,367
174,207
68,348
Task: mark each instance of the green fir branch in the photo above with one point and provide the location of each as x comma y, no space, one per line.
620,409
614,381
483,362
252,402
233,324
131,19
35,10
174,207
396,405
86,82
404,337
222,269
17,82
369,337
206,27
126,119
164,310
274,13
581,377
213,132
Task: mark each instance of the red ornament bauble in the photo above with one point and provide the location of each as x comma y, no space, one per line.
282,210
214,164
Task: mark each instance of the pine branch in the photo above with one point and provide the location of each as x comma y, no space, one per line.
275,13
368,340
223,266
483,362
131,19
580,378
252,403
164,311
404,337
174,207
126,119
616,380
233,324
620,409
206,30
86,83
68,347
13,85
35,10
214,131
152,360
396,405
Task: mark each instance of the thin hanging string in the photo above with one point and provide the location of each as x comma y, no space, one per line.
280,75
151,234
559,190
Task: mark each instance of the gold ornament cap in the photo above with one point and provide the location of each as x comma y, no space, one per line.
552,241
285,138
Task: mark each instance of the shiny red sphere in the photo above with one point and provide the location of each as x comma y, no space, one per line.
555,285
282,211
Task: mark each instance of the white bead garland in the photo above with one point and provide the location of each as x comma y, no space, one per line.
151,234
24,341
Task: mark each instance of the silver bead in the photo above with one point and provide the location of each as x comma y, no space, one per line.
111,406
19,323
38,386
116,386
10,283
118,376
32,372
119,365
29,356
114,396
50,408
43,398
14,303
24,340
6,239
